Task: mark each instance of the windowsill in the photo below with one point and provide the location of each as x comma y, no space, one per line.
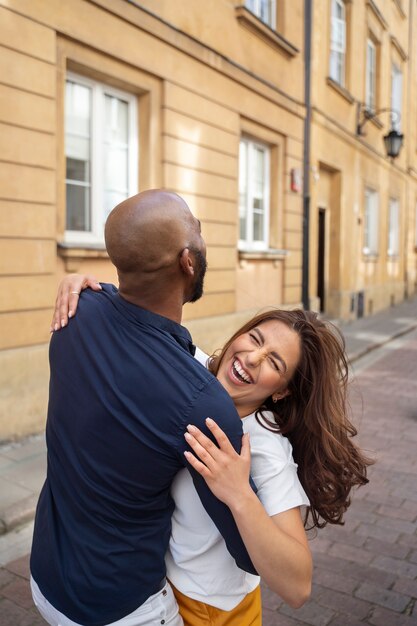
74,253
262,255
265,32
370,257
342,91
400,8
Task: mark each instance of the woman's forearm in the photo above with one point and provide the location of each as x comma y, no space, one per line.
283,561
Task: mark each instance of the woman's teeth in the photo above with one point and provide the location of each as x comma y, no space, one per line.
240,373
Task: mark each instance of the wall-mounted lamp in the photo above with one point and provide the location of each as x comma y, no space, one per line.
393,140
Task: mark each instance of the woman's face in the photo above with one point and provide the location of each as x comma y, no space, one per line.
259,364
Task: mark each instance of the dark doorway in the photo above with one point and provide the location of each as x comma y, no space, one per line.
321,248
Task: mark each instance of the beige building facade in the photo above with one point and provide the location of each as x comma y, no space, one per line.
101,99
363,204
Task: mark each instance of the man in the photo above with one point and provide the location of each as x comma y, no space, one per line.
124,385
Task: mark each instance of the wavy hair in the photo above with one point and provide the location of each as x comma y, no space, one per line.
314,415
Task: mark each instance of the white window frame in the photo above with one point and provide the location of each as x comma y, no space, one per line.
415,227
393,227
98,91
256,7
396,96
337,61
249,243
371,223
370,87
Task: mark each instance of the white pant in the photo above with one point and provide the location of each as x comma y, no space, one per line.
161,608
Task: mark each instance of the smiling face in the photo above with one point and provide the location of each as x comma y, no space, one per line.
259,364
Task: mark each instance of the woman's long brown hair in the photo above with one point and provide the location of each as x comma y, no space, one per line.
314,416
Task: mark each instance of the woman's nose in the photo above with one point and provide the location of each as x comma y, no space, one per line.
254,358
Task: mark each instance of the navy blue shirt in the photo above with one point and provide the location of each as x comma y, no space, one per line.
123,387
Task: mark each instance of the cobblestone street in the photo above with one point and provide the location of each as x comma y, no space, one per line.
365,571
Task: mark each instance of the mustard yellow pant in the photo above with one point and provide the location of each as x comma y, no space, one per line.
195,613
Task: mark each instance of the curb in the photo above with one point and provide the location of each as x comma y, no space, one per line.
18,514
371,347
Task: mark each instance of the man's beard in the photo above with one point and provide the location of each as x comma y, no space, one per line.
200,271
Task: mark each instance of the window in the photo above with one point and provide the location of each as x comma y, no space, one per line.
338,42
254,194
396,96
370,90
264,9
415,228
393,227
101,155
370,230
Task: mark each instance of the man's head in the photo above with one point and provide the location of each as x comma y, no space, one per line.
155,243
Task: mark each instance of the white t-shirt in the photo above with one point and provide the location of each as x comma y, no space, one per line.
198,562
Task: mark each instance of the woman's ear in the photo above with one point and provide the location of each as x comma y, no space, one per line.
279,395
186,262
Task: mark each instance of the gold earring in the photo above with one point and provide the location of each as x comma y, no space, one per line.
274,399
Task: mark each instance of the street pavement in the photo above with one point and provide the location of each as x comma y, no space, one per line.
365,571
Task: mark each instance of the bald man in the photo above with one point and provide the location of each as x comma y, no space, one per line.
124,385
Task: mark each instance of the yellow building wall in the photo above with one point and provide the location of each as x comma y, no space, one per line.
343,163
201,80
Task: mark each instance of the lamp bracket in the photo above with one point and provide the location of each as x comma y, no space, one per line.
364,113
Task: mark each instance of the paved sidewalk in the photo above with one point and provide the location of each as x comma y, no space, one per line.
367,569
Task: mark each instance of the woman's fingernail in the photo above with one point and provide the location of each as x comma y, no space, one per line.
69,314
63,323
56,326
188,436
209,421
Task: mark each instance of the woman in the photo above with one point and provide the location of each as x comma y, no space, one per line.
287,374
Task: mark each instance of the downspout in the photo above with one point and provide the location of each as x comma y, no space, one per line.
407,212
308,5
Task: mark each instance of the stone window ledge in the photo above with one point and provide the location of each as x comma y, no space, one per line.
247,19
73,254
342,91
262,255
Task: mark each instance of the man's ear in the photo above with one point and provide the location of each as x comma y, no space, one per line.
186,262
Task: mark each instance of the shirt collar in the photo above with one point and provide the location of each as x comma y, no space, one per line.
179,332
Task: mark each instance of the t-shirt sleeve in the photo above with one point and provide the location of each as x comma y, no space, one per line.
214,402
274,471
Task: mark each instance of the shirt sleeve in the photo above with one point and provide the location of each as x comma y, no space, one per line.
274,471
214,402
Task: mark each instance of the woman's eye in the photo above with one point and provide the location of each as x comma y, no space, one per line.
275,365
254,338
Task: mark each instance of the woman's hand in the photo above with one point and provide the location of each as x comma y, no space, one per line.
225,471
67,298
279,547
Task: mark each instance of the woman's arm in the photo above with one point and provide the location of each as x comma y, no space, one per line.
66,302
277,545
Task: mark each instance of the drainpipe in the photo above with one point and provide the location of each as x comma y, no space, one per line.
308,10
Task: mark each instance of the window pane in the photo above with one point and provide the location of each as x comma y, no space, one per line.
393,228
258,226
78,208
116,120
77,109
264,9
396,97
111,199
78,155
243,186
116,169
